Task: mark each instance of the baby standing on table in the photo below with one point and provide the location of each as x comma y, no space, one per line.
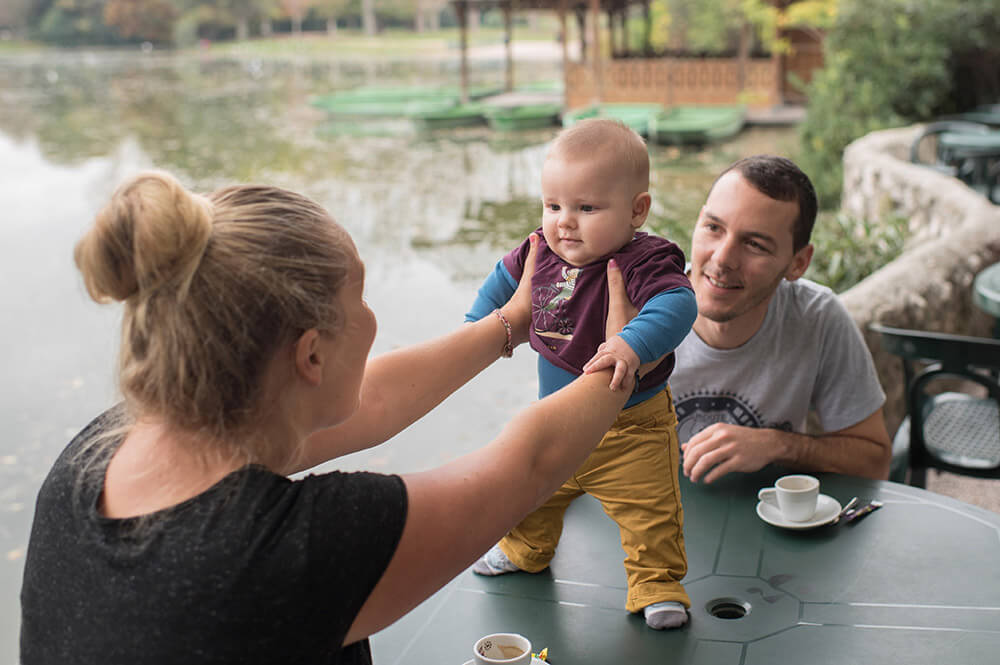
595,183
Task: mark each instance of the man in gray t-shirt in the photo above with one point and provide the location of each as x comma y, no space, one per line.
768,347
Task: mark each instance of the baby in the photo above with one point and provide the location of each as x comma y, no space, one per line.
595,183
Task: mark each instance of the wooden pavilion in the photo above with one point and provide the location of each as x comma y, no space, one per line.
627,77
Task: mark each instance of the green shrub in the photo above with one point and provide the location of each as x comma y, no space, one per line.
75,25
851,249
891,63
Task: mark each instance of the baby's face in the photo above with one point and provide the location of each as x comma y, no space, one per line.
587,208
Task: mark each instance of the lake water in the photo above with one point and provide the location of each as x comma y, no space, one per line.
430,215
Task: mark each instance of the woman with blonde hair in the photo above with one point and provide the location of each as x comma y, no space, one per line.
169,531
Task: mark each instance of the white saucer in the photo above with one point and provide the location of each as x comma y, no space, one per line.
534,661
827,509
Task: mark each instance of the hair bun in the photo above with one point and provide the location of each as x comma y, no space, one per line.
153,233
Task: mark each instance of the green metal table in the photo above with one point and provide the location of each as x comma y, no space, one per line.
986,290
915,582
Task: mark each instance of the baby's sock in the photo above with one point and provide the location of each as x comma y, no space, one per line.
665,615
494,562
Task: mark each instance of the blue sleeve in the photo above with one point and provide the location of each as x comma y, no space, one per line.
662,323
496,290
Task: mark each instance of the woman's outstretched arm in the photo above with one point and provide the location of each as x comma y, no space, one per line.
402,386
457,511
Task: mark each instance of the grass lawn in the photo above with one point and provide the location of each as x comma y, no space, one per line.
9,46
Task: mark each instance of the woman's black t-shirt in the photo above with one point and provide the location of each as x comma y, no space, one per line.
257,569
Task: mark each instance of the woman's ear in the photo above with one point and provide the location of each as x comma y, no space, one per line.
309,357
640,208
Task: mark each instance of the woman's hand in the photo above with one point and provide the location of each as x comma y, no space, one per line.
518,309
620,308
615,352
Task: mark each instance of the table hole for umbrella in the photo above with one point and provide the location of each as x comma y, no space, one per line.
728,608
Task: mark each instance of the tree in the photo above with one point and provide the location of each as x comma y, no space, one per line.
708,26
76,22
240,12
428,14
769,20
148,20
891,63
15,13
296,10
368,17
331,10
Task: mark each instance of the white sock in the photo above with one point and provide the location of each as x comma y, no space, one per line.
494,562
668,614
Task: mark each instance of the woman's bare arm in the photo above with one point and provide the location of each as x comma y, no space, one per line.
402,386
457,511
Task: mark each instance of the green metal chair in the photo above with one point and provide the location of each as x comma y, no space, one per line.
932,131
964,149
956,429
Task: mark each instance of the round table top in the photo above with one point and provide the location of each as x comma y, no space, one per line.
917,581
986,290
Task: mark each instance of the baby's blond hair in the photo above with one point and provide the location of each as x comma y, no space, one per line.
605,138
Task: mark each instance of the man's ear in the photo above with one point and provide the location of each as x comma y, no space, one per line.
800,262
309,358
640,208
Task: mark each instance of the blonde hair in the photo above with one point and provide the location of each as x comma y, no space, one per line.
212,286
609,139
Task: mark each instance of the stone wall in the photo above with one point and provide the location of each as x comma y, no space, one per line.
954,233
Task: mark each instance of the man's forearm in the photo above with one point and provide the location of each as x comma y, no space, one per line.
862,450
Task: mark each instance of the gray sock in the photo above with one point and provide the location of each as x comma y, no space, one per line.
494,562
664,615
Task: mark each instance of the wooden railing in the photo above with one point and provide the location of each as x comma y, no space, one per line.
675,81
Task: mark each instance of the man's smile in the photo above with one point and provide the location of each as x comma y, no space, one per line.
721,284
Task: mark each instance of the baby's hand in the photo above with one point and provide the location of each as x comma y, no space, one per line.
615,352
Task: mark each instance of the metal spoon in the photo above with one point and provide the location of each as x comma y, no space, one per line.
850,504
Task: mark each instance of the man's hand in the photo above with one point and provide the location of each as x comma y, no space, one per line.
614,353
722,448
862,450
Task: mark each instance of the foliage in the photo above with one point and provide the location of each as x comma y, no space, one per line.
296,10
660,19
768,19
852,249
331,9
700,26
887,64
75,22
14,13
713,26
148,20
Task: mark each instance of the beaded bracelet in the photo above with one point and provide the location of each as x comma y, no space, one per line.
508,347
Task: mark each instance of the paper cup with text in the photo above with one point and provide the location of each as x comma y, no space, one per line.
794,496
502,649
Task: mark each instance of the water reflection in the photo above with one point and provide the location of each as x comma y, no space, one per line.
430,213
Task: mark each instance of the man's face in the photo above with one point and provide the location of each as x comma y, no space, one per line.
741,249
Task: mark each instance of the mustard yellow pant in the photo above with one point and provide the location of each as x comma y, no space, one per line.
633,473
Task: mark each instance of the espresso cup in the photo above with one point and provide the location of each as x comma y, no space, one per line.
502,649
794,496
